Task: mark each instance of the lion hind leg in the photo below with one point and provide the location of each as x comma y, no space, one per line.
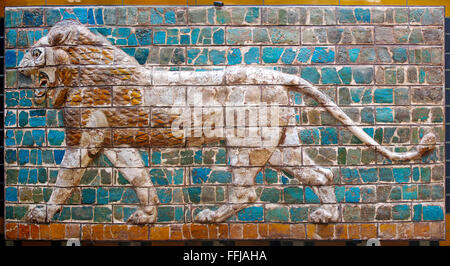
132,168
241,195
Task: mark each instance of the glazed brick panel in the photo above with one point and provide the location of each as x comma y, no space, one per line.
383,66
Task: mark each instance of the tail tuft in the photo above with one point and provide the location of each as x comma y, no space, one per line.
427,143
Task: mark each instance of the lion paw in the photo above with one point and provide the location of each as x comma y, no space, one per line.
141,217
36,215
324,215
316,176
205,216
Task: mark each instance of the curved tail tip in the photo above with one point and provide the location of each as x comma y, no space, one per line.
427,143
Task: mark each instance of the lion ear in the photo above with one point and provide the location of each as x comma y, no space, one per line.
64,32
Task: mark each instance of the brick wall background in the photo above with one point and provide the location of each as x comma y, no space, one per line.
272,52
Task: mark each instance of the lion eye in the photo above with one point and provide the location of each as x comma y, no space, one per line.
36,53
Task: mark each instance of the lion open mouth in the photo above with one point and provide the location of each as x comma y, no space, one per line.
39,94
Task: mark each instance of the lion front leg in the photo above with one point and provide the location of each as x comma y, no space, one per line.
134,172
73,166
72,169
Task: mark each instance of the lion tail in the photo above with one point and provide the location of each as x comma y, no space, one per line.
426,144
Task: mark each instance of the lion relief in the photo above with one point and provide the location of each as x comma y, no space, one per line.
248,108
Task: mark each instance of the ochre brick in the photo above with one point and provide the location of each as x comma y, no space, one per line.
97,232
325,231
311,231
34,231
368,231
250,231
11,231
353,231
44,231
24,231
119,232
279,230
405,230
236,231
176,232
72,231
86,232
107,234
340,231
159,232
298,231
388,231
437,230
187,231
422,230
137,232
223,231
24,2
212,230
199,231
57,231
263,230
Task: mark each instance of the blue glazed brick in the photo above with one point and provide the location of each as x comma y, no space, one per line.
409,192
10,58
349,175
33,18
363,75
271,195
298,214
200,175
11,194
384,95
310,74
402,175
278,214
88,195
369,174
330,76
345,74
339,191
417,212
384,115
55,137
310,196
271,54
11,38
223,177
352,195
102,196
251,214
130,196
386,175
401,212
345,15
433,213
166,214
270,176
252,56
328,135
82,213
102,214
362,15
322,55
293,195
164,195
13,18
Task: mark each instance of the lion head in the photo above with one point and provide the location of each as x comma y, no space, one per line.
66,57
